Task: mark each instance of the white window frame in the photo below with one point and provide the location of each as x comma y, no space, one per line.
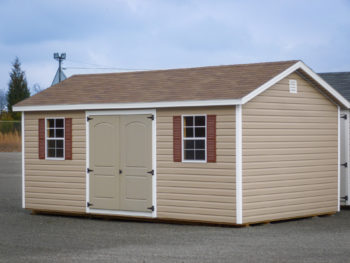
183,139
47,138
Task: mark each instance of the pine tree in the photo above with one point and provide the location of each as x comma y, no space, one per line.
18,88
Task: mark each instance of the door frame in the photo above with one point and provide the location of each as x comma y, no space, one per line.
346,143
89,210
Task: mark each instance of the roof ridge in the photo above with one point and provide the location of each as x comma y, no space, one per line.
189,68
336,72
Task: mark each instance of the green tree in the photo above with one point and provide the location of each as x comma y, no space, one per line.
18,87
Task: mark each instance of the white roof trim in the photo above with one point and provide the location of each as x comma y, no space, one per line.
193,103
142,105
291,69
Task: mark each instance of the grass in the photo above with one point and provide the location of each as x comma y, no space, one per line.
10,142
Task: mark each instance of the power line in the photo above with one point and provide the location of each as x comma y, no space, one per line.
106,68
99,66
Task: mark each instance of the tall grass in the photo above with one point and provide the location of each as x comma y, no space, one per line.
10,142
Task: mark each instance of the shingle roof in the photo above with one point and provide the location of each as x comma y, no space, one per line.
204,83
338,80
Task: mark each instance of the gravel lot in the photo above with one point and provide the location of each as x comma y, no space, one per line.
39,238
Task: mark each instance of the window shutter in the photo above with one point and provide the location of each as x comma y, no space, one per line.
211,138
41,131
177,139
68,138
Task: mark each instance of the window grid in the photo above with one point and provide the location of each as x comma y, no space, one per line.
194,138
55,138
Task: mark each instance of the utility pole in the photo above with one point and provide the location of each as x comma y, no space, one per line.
60,58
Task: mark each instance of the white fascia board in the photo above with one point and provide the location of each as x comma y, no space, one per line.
291,69
143,105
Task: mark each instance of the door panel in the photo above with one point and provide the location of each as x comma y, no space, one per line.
104,155
135,162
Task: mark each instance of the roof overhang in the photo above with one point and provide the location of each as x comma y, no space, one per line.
196,103
142,105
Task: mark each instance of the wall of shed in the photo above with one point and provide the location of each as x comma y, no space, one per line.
55,184
197,191
290,152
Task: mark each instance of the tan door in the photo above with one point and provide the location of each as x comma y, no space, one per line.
104,164
136,163
121,163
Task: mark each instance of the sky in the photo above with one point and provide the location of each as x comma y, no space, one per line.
124,35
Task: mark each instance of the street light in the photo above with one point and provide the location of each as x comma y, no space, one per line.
60,58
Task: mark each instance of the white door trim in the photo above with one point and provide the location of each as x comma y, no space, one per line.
152,214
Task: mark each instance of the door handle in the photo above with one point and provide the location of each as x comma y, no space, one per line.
120,171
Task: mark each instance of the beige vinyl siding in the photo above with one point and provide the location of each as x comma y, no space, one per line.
57,185
197,191
290,152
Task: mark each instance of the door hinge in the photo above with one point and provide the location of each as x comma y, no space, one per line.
88,204
345,116
151,172
89,118
345,165
151,208
88,170
151,117
346,198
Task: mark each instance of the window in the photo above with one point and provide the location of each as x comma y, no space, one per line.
55,138
194,138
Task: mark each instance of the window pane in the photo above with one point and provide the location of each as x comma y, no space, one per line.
51,133
59,133
51,153
50,123
59,144
59,153
189,144
200,132
189,155
51,144
188,133
188,121
200,121
59,123
200,155
199,144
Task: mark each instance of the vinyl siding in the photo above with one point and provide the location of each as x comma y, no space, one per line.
55,184
197,191
290,152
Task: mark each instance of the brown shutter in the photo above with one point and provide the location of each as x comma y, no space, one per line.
41,132
177,139
68,138
211,138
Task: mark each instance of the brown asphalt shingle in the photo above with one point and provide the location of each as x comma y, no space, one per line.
204,83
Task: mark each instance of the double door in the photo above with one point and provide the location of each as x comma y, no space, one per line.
120,162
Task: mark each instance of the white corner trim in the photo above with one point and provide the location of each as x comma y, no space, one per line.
23,166
153,214
239,193
339,169
291,69
138,105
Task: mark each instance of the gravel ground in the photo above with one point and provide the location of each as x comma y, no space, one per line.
39,238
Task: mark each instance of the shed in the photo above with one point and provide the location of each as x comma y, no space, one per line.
236,144
341,82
